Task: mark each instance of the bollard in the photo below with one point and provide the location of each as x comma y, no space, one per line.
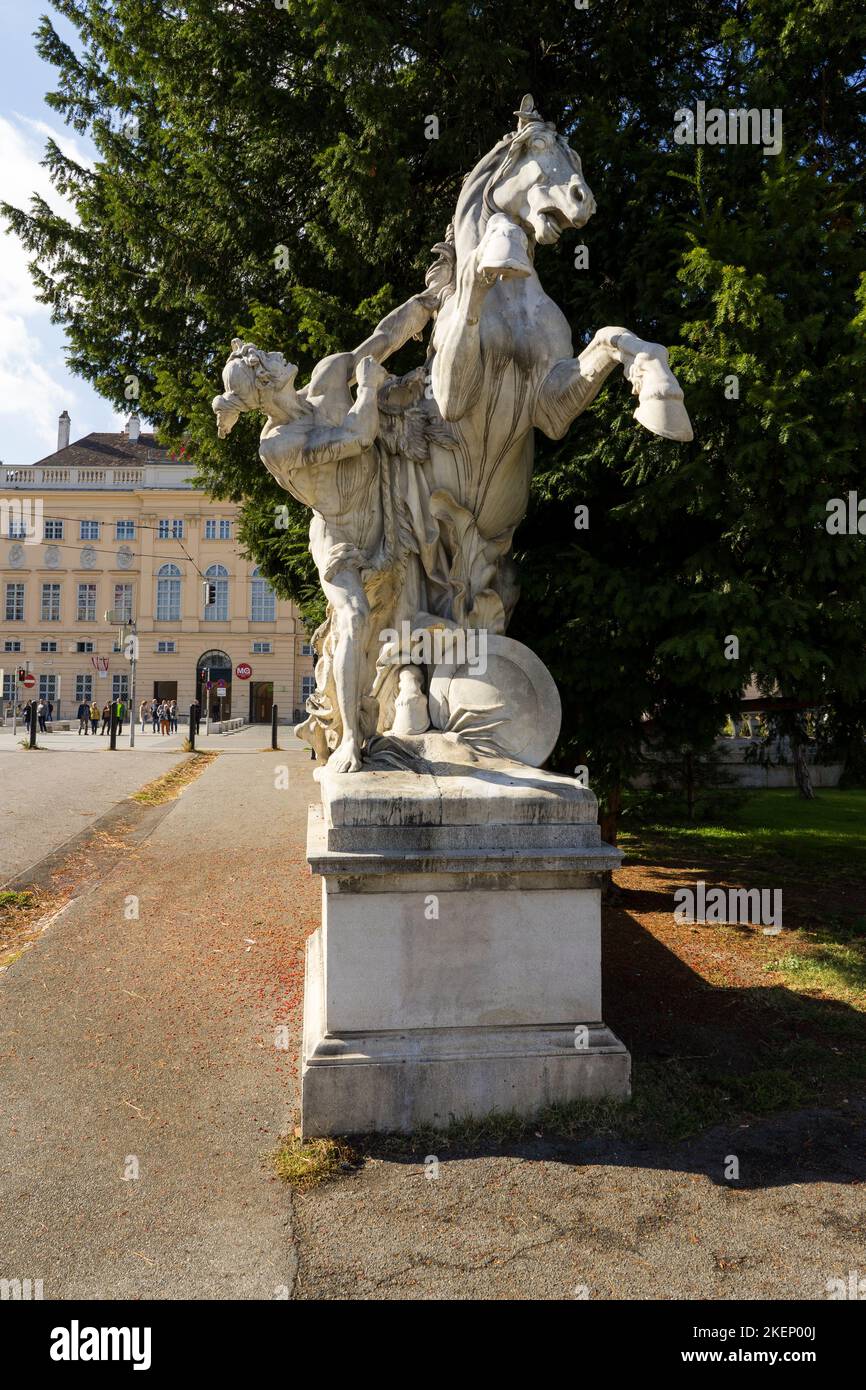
274,712
192,727
34,723
112,727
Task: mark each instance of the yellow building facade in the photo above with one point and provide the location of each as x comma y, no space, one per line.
112,523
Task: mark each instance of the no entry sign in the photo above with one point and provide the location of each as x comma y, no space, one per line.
243,671
28,682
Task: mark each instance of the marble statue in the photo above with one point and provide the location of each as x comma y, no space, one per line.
457,968
417,485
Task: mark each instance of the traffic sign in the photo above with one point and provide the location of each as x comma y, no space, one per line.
29,681
243,671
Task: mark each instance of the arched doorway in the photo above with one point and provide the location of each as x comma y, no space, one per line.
214,666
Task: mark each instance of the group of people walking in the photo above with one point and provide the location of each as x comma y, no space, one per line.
89,715
161,714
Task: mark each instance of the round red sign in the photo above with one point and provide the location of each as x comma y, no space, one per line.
243,671
28,682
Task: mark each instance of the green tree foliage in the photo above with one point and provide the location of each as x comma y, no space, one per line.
227,132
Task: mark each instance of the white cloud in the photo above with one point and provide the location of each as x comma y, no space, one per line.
35,384
22,145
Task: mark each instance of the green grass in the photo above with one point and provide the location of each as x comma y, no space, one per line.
304,1164
9,898
823,837
833,963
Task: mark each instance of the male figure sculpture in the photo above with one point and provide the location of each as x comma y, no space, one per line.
318,444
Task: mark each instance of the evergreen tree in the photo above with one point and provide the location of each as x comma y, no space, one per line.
268,172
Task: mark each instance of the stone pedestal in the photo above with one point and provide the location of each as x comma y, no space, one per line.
458,966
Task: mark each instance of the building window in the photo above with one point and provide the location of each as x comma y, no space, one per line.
11,646
84,646
83,688
14,603
123,602
50,610
124,530
168,594
48,688
262,648
88,530
48,646
306,649
8,685
171,528
263,608
216,528
87,603
218,612
53,529
308,686
17,527
165,648
120,686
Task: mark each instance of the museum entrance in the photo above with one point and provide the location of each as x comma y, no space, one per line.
165,690
214,666
261,701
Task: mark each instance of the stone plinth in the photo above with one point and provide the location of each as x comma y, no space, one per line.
458,966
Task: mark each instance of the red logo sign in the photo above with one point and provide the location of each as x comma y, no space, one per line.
243,671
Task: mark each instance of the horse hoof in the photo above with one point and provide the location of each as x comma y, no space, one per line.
502,251
668,418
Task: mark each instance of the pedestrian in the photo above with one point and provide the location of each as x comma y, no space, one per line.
172,712
121,713
106,719
154,715
84,717
143,713
195,715
41,711
163,718
94,717
50,711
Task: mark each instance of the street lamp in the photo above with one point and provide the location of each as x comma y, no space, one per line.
128,641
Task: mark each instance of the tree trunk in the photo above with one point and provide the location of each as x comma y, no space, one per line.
690,783
609,817
802,776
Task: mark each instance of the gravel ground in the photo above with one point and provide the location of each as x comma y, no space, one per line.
148,1046
599,1220
151,1042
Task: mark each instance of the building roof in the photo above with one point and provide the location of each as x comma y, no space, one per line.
101,450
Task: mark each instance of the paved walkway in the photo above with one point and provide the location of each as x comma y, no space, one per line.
149,1046
53,794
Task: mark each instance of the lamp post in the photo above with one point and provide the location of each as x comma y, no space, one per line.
130,651
129,646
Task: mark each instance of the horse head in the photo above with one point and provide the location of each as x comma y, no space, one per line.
533,176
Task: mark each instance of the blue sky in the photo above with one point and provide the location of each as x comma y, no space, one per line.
35,383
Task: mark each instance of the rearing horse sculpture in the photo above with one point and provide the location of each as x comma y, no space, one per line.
504,362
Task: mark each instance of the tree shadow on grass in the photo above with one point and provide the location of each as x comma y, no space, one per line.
770,1077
